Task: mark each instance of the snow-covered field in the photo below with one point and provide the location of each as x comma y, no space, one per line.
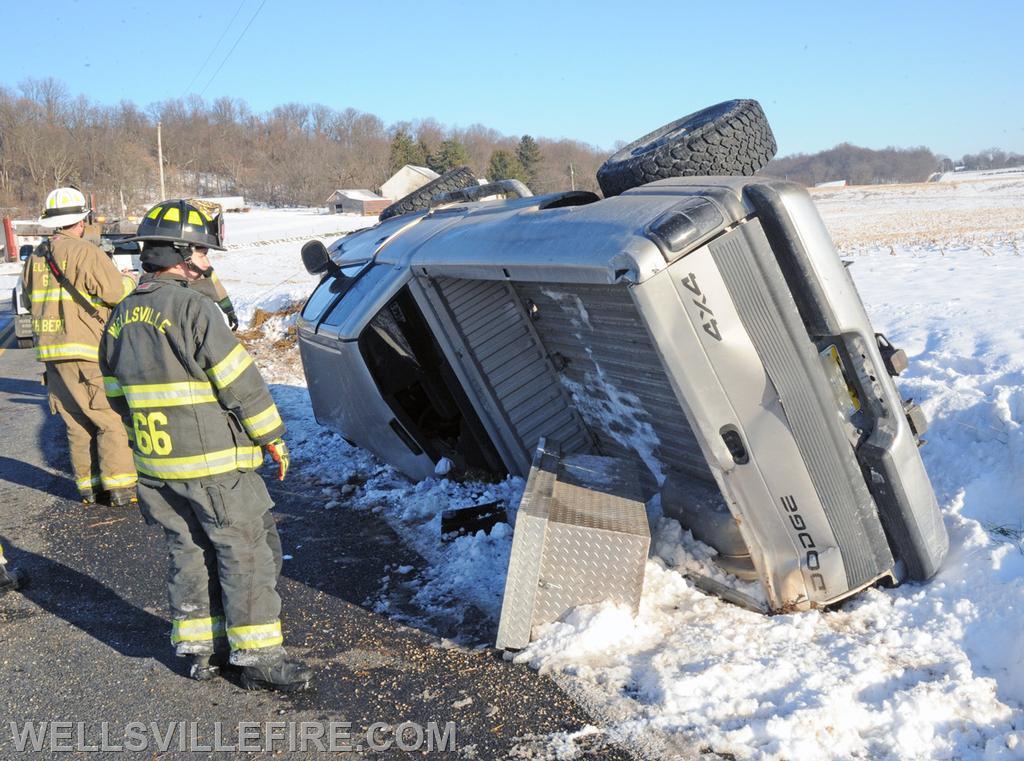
925,671
262,265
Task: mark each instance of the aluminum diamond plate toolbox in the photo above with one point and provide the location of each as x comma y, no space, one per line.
581,537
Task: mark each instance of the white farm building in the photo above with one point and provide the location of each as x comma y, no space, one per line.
406,180
357,201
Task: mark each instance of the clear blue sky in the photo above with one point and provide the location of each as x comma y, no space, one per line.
948,75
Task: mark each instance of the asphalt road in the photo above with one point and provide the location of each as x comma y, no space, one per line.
87,640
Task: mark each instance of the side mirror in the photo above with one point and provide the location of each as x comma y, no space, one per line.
25,251
316,259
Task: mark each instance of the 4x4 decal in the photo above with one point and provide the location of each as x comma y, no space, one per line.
710,326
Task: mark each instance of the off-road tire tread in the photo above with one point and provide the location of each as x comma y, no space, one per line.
737,141
419,199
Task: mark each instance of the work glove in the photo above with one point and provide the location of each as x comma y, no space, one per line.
278,452
228,308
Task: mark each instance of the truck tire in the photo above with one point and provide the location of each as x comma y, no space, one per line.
731,138
418,200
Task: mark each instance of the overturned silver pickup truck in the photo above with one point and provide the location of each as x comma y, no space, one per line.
703,327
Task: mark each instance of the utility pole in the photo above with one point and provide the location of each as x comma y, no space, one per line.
160,158
572,177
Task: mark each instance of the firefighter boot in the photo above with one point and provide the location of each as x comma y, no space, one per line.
123,497
205,666
201,668
285,674
9,580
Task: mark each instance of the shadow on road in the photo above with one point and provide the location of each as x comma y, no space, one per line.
33,389
32,476
354,555
91,606
344,553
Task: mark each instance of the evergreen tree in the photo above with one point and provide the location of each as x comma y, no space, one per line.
449,155
422,154
528,153
504,165
404,150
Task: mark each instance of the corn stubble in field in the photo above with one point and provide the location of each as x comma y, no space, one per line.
937,216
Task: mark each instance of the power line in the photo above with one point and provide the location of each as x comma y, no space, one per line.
214,48
257,13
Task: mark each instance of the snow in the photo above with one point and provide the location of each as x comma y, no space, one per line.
974,174
923,671
262,267
9,274
602,404
932,670
360,194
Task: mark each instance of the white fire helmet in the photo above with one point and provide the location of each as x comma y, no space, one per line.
64,207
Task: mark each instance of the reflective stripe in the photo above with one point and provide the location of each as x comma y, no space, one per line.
196,629
255,636
87,483
249,457
200,465
168,394
67,351
112,386
262,423
229,368
119,480
48,294
59,294
127,286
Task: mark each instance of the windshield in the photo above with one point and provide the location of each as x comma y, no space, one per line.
329,290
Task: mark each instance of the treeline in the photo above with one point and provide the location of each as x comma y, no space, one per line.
858,166
299,154
993,158
866,166
296,154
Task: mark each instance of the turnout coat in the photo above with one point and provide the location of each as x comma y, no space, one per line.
63,329
194,402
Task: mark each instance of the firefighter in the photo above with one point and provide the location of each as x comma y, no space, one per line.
209,284
70,286
202,418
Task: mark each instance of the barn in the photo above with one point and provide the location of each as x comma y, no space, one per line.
357,201
406,180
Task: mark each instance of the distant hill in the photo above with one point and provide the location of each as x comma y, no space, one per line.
868,166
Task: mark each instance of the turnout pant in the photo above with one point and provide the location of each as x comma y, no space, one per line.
225,558
101,456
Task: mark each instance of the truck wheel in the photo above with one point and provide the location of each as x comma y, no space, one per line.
25,343
731,138
418,200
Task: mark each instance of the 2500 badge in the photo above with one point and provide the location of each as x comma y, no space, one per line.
811,560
